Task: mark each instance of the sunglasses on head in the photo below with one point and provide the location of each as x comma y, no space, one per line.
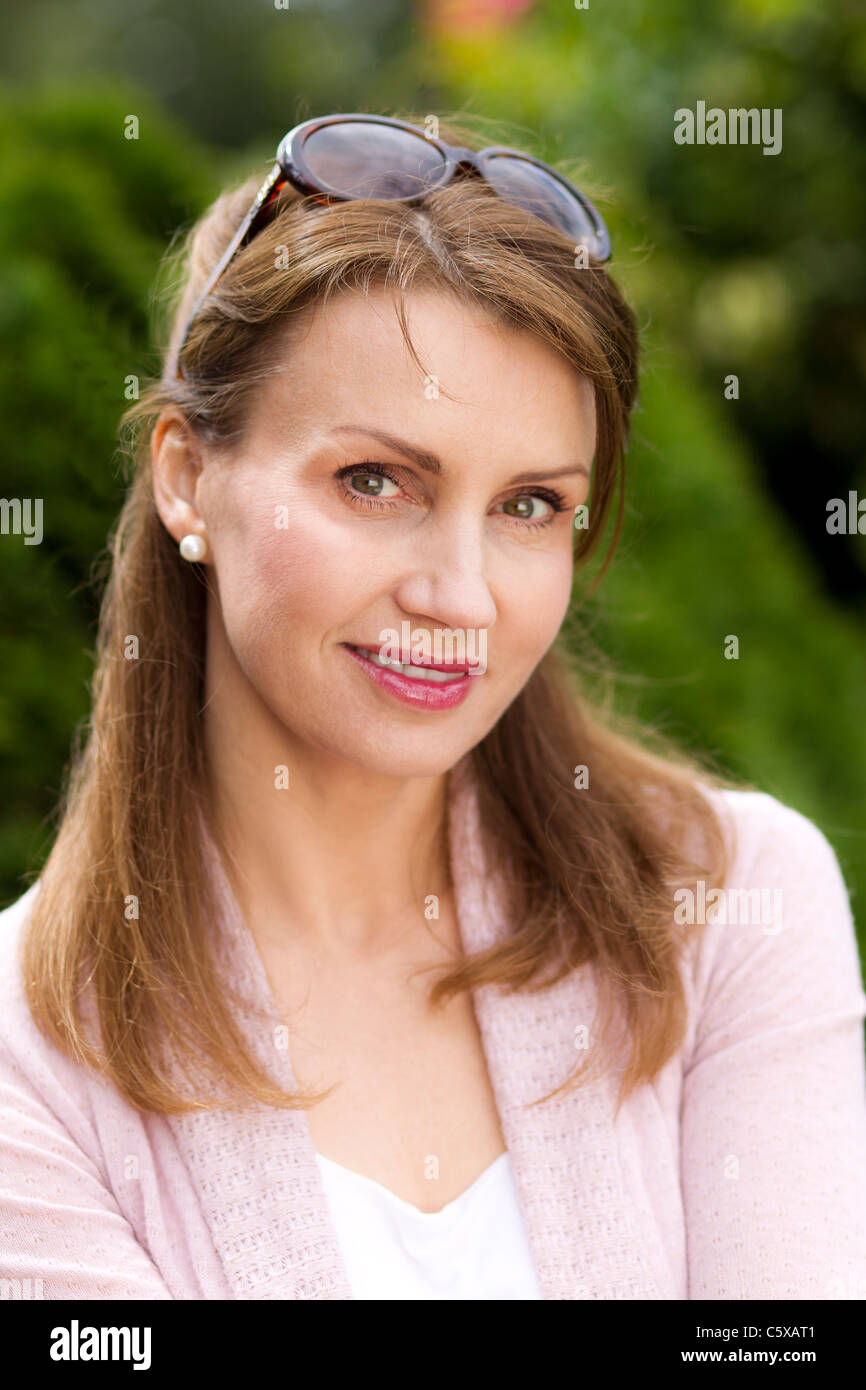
344,157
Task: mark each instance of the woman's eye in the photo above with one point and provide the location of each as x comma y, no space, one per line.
524,507
372,484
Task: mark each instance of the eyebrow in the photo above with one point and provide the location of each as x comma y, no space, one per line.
431,464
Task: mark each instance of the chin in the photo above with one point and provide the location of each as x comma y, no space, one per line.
421,756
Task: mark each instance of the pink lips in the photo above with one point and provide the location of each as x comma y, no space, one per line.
425,665
422,694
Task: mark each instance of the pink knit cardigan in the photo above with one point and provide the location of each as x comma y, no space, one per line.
739,1173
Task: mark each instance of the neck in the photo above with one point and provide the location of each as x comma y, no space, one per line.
332,855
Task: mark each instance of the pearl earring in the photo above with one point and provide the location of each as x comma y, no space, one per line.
193,547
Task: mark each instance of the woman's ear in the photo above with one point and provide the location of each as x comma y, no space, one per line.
177,469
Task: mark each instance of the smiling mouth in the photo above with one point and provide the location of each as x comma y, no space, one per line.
410,670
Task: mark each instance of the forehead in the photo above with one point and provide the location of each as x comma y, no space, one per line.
476,373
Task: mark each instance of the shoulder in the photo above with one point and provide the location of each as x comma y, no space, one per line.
12,916
13,1005
29,1061
778,933
768,840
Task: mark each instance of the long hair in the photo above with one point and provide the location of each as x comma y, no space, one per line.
592,872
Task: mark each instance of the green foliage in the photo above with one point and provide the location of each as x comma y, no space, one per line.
705,554
84,217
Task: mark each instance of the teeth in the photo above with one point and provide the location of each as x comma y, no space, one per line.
416,673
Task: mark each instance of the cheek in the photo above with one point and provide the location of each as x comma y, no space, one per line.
285,572
539,600
273,579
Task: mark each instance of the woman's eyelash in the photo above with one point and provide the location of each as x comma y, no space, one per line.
551,495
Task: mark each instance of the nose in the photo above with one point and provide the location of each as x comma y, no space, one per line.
445,582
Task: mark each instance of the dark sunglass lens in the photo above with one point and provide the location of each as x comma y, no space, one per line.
533,188
362,159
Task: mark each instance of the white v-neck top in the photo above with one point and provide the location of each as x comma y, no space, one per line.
475,1247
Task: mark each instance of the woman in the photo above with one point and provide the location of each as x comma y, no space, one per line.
346,979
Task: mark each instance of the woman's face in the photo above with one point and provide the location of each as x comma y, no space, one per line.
365,501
